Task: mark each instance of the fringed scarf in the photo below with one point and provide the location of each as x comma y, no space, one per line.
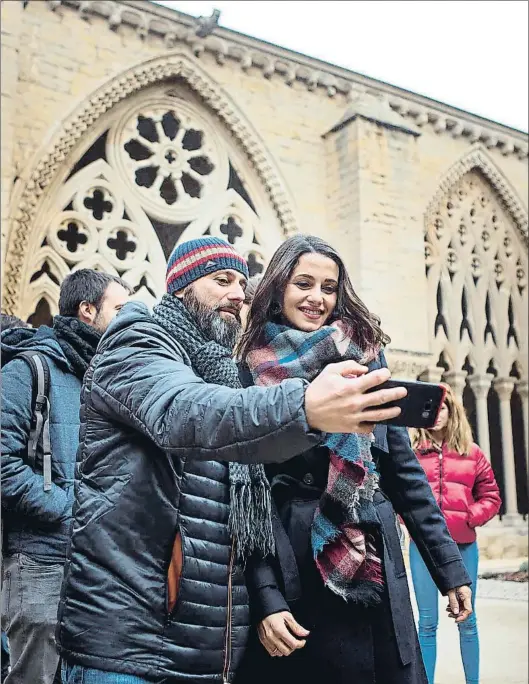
345,528
250,521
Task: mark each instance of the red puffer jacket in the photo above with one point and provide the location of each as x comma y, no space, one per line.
464,488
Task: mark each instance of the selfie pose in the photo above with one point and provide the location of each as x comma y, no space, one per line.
332,603
463,483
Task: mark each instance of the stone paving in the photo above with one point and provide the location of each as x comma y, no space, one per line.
502,610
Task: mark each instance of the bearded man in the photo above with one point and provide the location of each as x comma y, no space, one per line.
171,496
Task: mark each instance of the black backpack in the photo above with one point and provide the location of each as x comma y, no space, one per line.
39,435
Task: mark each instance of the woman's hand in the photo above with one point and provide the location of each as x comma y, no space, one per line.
280,634
459,603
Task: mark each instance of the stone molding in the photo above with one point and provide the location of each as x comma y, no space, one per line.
44,166
171,27
477,158
407,365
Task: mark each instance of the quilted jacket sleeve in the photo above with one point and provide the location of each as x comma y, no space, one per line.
142,383
487,500
22,488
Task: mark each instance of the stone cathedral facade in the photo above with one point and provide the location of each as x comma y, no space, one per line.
127,126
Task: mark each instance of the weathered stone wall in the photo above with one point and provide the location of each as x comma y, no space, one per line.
360,161
57,59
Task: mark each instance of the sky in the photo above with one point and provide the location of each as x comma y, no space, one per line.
470,54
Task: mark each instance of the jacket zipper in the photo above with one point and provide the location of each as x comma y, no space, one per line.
441,481
227,642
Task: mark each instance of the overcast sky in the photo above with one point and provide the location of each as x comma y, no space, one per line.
471,54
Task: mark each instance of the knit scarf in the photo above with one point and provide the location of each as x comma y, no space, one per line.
250,520
78,342
345,530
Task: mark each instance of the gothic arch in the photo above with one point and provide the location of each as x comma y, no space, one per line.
33,188
478,158
476,269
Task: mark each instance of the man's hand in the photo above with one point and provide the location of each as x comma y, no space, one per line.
280,634
335,401
459,603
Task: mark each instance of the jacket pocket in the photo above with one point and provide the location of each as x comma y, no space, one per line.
38,566
174,572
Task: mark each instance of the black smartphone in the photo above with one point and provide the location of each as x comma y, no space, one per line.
419,408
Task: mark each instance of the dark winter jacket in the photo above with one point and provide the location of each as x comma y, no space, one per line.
152,468
463,486
37,522
289,581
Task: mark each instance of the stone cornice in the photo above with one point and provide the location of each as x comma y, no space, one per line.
407,365
172,27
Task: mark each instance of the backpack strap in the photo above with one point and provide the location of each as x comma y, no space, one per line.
39,435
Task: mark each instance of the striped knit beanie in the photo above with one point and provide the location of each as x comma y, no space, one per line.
197,258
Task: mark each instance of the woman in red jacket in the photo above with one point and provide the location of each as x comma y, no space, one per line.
463,483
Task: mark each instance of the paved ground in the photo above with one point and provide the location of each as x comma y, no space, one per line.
502,610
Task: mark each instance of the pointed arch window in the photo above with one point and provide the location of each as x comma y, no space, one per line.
162,170
476,269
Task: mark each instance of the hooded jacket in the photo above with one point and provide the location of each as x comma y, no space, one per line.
152,476
37,523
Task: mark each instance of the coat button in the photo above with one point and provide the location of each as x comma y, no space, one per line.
308,479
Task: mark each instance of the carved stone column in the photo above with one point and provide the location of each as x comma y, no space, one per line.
522,389
456,380
480,385
504,388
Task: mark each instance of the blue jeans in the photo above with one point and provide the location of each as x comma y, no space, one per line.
5,656
77,674
30,596
427,596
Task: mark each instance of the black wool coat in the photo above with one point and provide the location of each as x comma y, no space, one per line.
290,580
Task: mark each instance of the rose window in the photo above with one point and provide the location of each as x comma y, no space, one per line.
171,157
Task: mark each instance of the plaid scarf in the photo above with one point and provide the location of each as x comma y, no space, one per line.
345,529
250,521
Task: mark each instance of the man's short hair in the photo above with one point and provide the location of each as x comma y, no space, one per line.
8,321
86,285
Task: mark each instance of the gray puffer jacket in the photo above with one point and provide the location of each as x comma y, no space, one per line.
151,469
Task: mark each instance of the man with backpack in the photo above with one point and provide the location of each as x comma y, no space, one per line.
7,322
42,373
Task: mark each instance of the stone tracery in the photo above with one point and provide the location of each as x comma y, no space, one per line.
106,215
476,266
261,170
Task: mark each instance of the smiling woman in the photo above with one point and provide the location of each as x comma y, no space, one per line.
311,292
306,284
333,603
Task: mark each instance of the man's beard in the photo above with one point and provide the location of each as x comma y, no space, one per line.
211,324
